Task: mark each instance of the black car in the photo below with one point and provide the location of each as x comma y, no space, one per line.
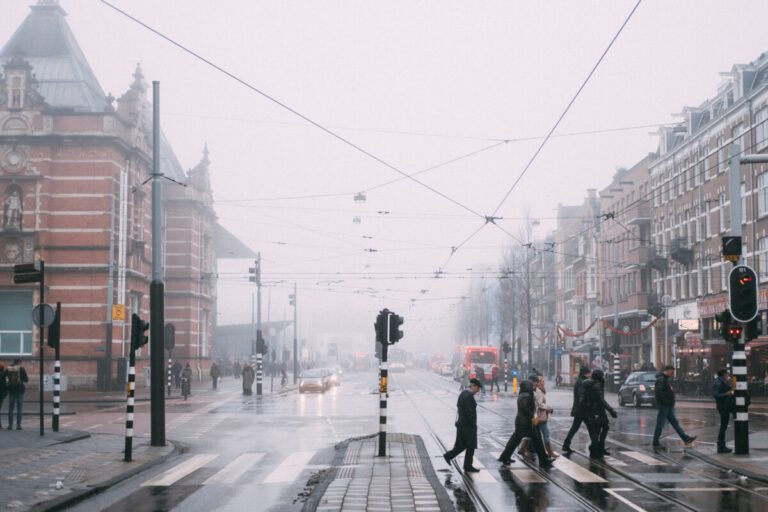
638,389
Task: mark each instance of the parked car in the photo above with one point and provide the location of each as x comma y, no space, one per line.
445,369
336,376
638,389
317,379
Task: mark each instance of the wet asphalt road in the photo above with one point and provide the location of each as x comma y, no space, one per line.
257,454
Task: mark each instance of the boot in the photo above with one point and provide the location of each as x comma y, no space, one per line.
552,453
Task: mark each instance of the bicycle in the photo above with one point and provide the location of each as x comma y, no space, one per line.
185,382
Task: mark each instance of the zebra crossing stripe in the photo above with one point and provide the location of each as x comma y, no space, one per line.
290,468
175,474
578,473
235,469
645,459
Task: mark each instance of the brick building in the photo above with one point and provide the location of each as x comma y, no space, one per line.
73,162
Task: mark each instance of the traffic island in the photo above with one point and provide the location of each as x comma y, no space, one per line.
359,480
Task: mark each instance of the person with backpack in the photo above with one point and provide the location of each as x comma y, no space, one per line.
665,401
726,405
15,377
576,412
595,407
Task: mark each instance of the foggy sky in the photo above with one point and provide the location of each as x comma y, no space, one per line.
416,84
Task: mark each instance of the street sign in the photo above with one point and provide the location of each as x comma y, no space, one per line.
48,315
27,273
559,352
118,312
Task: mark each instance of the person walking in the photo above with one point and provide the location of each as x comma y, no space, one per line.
543,412
495,378
236,369
463,379
723,392
215,374
665,401
466,427
248,377
595,408
176,371
15,377
526,425
186,375
576,410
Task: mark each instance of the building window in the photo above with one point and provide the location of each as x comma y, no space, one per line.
700,279
707,166
724,269
721,211
762,247
743,192
707,221
762,194
722,154
15,324
761,129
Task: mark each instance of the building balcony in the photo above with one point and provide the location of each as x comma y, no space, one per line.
640,214
635,302
656,261
654,306
680,251
637,256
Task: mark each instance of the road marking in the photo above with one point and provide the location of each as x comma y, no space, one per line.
175,474
93,426
289,469
615,494
578,473
483,477
646,459
701,489
235,469
527,476
614,461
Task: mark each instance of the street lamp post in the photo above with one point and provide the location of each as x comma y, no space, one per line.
666,302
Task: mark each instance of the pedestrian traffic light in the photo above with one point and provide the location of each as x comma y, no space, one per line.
169,336
381,326
292,299
754,329
742,292
255,272
507,347
139,329
734,332
395,321
54,331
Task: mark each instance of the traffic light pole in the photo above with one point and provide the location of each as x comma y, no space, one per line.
295,336
259,340
42,348
739,362
383,391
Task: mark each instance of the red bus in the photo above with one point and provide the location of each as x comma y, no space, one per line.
472,357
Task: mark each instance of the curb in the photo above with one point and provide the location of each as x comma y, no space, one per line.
443,499
738,470
75,497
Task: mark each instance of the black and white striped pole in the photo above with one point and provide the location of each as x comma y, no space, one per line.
383,380
129,407
259,372
54,340
616,370
170,374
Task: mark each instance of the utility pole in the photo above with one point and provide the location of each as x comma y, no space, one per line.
295,336
616,340
528,308
259,339
157,287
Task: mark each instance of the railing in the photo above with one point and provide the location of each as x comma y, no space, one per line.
15,343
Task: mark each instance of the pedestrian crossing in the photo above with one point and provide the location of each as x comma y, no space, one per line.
286,470
576,472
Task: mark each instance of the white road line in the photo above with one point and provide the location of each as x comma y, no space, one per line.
527,476
175,474
578,473
701,489
235,469
615,494
290,468
646,459
483,477
93,426
614,461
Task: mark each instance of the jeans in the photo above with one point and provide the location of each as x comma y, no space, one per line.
725,416
544,428
517,436
667,414
18,400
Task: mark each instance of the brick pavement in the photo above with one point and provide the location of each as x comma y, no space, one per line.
403,481
44,473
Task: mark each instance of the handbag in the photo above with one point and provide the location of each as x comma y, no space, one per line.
535,421
543,415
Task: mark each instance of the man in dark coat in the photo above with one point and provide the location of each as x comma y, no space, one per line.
578,417
595,407
524,427
665,401
723,392
16,378
466,427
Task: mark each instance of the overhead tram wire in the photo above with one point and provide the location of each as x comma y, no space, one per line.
567,108
290,109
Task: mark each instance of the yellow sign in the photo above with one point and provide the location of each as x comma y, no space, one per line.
383,385
118,312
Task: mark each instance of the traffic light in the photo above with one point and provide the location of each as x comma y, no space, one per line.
754,328
724,319
507,347
261,344
139,329
395,321
54,331
292,299
169,336
255,272
742,292
381,326
734,332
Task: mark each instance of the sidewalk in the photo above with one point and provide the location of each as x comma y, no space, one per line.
754,465
45,473
359,480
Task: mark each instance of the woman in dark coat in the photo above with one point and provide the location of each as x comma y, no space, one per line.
466,427
248,377
526,411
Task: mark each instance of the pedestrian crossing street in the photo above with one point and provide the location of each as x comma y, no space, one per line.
288,470
525,475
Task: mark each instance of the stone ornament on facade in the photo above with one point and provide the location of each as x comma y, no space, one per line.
13,159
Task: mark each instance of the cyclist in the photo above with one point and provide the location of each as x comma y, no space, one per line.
186,380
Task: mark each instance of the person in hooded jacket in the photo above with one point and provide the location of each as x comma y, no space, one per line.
665,401
723,392
576,412
595,408
524,427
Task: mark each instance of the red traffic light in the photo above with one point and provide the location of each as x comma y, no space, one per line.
734,332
